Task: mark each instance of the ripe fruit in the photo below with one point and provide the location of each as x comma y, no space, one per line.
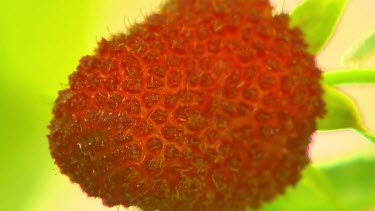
206,105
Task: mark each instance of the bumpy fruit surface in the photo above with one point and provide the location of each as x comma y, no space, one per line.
206,105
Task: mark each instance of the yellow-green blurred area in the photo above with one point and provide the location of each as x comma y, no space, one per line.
41,43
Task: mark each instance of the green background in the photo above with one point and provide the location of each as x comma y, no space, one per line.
40,44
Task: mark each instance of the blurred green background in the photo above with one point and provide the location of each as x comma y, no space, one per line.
40,44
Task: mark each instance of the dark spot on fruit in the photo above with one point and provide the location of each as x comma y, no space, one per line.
152,164
132,66
77,81
174,79
171,100
266,81
150,99
142,128
158,70
111,84
132,106
154,144
133,85
174,134
77,103
88,64
159,116
250,93
132,152
214,45
170,152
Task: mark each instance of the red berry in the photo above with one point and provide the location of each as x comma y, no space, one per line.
206,105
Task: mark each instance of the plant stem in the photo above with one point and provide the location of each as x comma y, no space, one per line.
349,77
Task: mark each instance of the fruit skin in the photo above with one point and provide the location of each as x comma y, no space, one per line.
206,105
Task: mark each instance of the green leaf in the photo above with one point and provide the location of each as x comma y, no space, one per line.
317,19
313,185
342,113
361,50
354,183
344,186
348,77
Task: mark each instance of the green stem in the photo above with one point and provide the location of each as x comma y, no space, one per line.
349,77
366,133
